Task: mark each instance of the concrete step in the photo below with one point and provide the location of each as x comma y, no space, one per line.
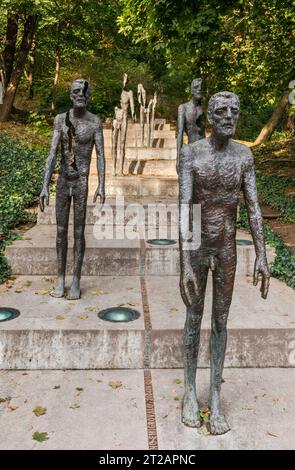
122,207
132,142
55,333
135,134
144,412
36,254
144,153
146,167
139,185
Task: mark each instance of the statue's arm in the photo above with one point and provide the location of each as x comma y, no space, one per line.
50,162
186,178
100,161
180,131
256,223
202,126
185,202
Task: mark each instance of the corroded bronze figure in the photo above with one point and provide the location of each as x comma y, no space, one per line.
191,119
120,124
76,132
212,172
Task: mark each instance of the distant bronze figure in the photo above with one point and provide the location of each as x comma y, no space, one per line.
212,172
141,96
191,119
120,124
76,131
150,119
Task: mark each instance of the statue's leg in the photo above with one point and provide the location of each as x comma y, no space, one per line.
141,126
80,206
191,340
62,211
114,148
123,136
223,283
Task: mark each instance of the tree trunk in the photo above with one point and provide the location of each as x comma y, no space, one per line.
55,80
32,62
10,47
26,43
274,120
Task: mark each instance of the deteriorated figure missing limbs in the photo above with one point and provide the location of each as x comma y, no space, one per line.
212,172
76,131
191,119
120,124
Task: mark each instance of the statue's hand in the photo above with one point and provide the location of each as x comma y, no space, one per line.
101,193
261,267
188,286
44,196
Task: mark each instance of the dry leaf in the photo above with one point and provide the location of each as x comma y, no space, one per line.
9,283
50,279
96,292
74,406
83,316
60,317
177,381
173,309
39,411
12,407
115,384
42,291
91,309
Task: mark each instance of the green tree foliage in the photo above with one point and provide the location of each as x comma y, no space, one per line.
245,46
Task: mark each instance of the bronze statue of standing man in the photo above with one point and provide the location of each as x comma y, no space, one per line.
76,132
191,119
212,172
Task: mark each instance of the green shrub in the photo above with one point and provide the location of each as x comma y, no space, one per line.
21,175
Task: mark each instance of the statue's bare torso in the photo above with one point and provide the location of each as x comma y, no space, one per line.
82,143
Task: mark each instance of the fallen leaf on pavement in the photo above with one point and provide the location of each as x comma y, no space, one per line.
40,436
42,292
60,317
74,406
39,411
115,384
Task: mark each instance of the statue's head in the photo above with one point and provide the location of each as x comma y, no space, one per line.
196,88
80,93
125,79
223,113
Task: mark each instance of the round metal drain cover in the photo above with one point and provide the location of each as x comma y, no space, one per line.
7,313
244,242
119,314
161,242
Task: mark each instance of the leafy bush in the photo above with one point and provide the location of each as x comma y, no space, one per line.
284,264
21,175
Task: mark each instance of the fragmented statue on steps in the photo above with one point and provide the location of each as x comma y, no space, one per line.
212,172
76,132
191,119
150,119
120,123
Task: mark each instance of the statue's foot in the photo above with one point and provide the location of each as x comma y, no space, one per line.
59,290
218,424
74,293
58,293
190,411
